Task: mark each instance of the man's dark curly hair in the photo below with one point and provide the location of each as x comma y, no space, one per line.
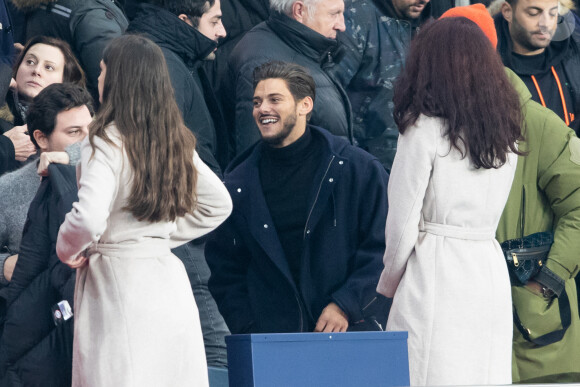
194,9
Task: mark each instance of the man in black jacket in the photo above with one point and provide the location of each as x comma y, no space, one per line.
377,37
174,25
36,350
303,248
187,32
543,49
297,31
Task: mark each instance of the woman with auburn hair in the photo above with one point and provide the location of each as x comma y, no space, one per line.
459,120
42,62
142,191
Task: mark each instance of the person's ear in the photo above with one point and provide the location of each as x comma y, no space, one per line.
305,106
299,11
507,11
41,140
185,18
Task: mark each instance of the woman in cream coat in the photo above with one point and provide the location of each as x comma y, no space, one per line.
449,183
142,191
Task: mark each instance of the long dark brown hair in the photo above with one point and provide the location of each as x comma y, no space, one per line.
72,72
138,98
453,72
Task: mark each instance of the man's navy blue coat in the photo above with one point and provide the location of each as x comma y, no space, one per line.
344,242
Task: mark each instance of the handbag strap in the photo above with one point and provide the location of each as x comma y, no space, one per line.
523,217
552,337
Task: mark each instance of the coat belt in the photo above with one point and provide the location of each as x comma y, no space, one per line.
147,248
458,232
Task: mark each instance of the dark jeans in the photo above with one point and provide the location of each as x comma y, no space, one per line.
213,325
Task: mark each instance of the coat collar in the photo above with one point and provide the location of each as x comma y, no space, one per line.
303,39
168,31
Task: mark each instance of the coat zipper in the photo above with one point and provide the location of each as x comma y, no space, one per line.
317,194
304,235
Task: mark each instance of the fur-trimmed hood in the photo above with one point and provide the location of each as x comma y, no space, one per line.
495,7
6,114
30,4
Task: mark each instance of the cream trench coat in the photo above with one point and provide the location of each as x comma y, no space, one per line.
442,264
136,321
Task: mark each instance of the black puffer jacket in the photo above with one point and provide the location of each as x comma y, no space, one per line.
87,25
282,38
33,350
185,49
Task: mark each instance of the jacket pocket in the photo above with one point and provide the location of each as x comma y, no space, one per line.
538,314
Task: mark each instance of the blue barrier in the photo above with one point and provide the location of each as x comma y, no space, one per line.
318,359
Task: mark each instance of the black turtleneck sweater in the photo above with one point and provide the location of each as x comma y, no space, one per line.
287,177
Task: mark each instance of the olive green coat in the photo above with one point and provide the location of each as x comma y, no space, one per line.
550,176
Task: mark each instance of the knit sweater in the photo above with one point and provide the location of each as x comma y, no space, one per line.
17,190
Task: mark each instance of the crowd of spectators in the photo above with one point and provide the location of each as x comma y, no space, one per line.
292,106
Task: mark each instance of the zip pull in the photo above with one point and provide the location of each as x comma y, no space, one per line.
516,262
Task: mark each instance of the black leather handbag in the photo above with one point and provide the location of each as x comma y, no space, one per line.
525,257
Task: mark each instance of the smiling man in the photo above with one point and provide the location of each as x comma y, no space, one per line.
302,250
538,45
298,31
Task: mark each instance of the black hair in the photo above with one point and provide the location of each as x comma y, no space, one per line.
299,81
52,100
194,9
